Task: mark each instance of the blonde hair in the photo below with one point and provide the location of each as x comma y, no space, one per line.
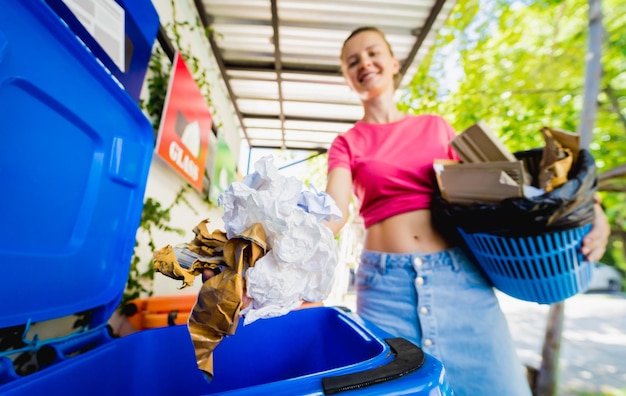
367,29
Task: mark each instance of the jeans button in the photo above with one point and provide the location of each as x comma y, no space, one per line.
417,262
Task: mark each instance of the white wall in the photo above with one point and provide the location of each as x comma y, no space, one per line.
163,182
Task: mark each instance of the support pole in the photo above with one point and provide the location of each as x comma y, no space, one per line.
547,378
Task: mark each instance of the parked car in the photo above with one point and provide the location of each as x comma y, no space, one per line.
606,278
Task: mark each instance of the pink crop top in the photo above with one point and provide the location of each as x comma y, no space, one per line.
392,164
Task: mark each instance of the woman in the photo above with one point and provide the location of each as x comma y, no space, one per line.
411,281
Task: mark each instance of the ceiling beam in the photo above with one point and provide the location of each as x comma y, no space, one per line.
319,70
206,22
422,32
278,68
329,101
320,150
303,119
342,28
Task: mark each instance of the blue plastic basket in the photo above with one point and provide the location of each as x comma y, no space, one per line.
545,268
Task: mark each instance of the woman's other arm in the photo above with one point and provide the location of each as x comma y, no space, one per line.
339,187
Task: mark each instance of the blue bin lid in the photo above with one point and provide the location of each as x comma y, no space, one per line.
74,161
141,23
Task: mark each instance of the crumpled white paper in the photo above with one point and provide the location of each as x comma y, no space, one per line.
302,253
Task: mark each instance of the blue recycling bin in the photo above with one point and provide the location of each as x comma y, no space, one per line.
315,351
74,160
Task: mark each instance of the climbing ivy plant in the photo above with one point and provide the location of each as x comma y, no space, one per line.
153,217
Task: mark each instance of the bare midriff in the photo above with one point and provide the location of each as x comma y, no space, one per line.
405,233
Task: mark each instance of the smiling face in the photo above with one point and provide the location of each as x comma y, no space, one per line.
368,64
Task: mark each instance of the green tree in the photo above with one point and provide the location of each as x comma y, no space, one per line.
520,66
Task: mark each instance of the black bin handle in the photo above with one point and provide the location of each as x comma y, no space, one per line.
408,358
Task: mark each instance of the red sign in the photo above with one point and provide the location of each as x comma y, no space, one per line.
186,121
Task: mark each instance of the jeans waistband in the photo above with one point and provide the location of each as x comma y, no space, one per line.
381,260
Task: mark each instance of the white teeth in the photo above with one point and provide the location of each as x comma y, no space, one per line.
366,76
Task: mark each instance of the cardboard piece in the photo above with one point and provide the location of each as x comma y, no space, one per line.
483,182
479,143
559,154
489,172
567,140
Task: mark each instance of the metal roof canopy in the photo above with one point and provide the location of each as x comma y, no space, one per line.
280,60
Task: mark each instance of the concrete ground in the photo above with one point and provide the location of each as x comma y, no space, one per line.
593,349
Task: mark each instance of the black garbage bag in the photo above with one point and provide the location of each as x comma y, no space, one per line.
567,206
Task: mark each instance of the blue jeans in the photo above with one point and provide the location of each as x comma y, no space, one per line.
444,304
